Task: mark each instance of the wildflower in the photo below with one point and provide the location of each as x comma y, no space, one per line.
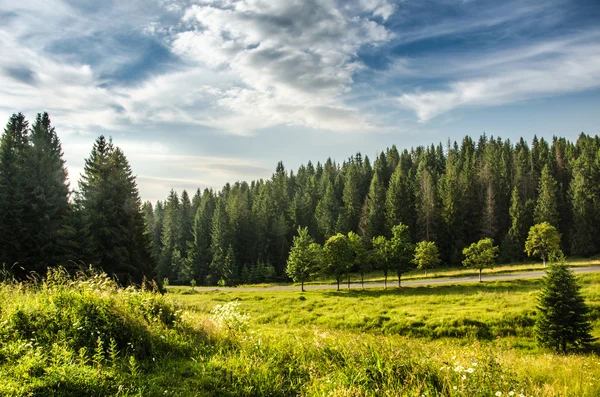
454,387
474,364
470,370
498,393
511,393
442,368
459,368
464,377
454,357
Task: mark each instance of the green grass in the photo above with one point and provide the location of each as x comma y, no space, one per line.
444,272
88,338
486,311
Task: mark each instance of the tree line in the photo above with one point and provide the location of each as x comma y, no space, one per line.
451,195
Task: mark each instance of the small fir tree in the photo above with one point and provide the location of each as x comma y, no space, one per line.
303,259
562,318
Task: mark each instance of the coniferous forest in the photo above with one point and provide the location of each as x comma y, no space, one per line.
453,194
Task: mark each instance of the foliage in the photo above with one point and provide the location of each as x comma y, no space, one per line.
401,250
304,258
543,241
480,255
337,257
426,255
563,317
382,255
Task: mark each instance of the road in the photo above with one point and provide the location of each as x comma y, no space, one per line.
393,282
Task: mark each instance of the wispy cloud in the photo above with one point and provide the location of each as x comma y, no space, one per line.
548,68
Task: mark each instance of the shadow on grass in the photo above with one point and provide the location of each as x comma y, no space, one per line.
512,286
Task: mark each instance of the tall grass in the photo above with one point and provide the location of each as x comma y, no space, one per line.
87,337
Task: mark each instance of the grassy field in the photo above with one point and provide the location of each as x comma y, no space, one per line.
88,337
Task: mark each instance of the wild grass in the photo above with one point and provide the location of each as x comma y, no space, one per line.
87,337
480,310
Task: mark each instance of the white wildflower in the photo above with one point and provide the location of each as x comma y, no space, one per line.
470,370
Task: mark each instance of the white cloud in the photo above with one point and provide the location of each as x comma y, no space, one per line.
293,59
545,69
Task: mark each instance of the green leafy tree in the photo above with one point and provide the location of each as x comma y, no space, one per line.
480,255
382,256
543,241
401,251
426,255
304,258
337,256
563,317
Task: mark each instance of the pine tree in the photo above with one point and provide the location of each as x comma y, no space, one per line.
373,219
200,253
186,224
220,243
546,209
563,317
112,211
327,212
14,149
170,238
352,197
426,203
48,203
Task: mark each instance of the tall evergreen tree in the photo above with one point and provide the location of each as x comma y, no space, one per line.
171,239
112,211
14,149
546,209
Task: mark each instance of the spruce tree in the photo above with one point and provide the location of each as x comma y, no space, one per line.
14,184
304,258
563,317
546,209
200,253
112,212
48,201
170,238
373,219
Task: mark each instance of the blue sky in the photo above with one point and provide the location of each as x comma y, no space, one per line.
203,92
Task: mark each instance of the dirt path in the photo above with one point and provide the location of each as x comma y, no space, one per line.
393,282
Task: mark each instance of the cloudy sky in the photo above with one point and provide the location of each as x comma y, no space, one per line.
202,92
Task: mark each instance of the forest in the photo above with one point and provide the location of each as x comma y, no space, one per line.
452,194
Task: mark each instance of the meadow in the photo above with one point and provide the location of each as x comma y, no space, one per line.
62,337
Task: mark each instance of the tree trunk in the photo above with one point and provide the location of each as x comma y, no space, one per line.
302,288
399,282
362,280
385,282
480,274
338,281
425,272
348,280
544,260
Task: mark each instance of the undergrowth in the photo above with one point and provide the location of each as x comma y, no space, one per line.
88,337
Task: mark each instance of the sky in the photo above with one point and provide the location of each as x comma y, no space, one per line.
202,92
